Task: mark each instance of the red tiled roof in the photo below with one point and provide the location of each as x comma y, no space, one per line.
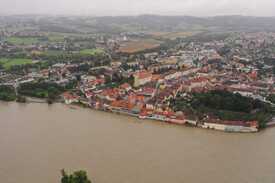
143,74
125,86
122,104
69,96
199,80
156,77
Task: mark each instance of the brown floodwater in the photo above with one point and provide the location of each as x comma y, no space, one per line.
37,141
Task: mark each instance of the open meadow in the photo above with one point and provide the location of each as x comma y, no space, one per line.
8,63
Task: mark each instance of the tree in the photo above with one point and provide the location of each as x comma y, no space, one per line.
7,93
76,177
273,69
271,98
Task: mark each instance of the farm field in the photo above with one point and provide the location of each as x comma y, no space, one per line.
23,40
171,35
92,51
82,52
139,45
56,38
53,53
8,63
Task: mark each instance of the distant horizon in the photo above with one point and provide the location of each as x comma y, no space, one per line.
131,15
198,8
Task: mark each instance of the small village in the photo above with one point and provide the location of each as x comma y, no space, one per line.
137,91
148,84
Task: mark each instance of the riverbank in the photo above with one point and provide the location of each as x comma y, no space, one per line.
229,126
163,118
271,123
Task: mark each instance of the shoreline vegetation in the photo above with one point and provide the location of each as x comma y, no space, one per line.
76,177
7,93
227,106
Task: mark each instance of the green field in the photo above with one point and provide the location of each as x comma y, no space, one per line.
22,40
8,63
53,53
92,51
86,52
56,38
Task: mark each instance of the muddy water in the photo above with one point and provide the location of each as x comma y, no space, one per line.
37,140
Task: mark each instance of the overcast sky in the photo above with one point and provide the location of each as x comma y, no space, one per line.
135,7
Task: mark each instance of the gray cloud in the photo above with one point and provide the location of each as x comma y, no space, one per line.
134,7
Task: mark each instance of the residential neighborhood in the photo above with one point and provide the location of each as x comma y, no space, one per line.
147,84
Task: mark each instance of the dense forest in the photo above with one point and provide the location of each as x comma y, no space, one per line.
41,90
226,106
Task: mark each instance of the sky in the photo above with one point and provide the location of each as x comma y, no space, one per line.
137,7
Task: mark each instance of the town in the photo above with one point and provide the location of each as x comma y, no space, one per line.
223,82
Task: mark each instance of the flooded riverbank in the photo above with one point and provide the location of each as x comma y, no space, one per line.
38,140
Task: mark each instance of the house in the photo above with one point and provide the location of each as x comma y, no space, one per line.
45,73
150,104
147,91
191,122
198,82
125,87
116,64
135,99
121,105
232,126
141,78
173,75
70,98
89,94
110,94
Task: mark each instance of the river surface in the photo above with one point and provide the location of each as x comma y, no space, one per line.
37,141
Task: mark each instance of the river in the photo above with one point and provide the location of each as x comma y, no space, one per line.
37,141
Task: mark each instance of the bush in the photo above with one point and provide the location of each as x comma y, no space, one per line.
7,93
76,177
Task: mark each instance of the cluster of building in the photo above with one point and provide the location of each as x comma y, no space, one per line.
144,86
